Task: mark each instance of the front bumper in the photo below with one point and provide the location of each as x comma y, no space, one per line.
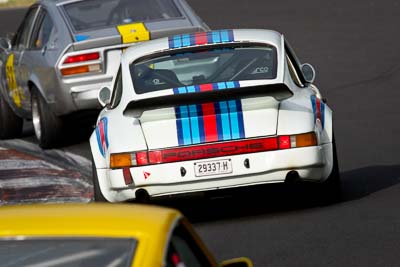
312,164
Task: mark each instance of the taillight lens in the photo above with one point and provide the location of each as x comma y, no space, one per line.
82,64
122,160
82,58
308,139
141,158
81,69
298,140
284,142
247,146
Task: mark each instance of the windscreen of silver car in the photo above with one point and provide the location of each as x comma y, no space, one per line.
98,14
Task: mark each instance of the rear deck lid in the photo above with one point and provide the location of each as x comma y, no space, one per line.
219,91
190,118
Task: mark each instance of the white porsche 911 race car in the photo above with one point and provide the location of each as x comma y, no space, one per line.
206,111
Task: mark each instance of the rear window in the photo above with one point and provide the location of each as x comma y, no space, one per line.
67,252
195,67
96,14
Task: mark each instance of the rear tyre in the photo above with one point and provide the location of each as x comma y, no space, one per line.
10,123
330,191
47,125
98,196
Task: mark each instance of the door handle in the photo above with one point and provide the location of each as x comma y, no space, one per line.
44,49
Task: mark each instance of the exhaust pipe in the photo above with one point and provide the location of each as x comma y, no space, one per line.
142,196
292,177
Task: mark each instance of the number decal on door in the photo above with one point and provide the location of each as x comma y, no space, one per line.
16,93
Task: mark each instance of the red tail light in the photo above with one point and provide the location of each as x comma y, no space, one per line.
213,150
284,142
82,58
141,158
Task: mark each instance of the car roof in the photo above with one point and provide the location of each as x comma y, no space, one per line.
240,36
56,1
94,220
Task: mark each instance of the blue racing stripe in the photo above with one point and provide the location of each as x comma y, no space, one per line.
314,106
105,125
230,84
181,120
186,40
182,90
224,36
209,37
231,37
186,131
171,42
179,126
201,123
216,38
191,89
226,125
221,85
99,141
177,41
239,109
219,121
233,114
194,124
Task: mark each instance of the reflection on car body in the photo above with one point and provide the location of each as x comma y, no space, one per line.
206,111
101,235
65,51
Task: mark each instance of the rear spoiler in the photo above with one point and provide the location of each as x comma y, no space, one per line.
278,91
98,42
115,39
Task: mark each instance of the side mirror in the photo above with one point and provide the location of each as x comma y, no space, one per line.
237,262
308,72
5,43
104,96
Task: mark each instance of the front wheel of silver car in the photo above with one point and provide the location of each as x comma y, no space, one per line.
10,123
46,124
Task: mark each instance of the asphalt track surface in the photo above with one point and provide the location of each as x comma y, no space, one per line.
354,46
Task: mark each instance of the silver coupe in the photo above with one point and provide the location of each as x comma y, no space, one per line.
64,51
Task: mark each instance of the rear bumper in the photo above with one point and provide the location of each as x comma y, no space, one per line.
312,164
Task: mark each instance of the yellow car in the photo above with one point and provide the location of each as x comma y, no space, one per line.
101,235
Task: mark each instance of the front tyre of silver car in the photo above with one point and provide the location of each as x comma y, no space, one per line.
46,124
10,123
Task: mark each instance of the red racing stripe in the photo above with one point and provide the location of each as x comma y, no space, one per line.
102,135
318,104
201,38
209,117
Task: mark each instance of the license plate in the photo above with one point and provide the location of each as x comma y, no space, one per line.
214,167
